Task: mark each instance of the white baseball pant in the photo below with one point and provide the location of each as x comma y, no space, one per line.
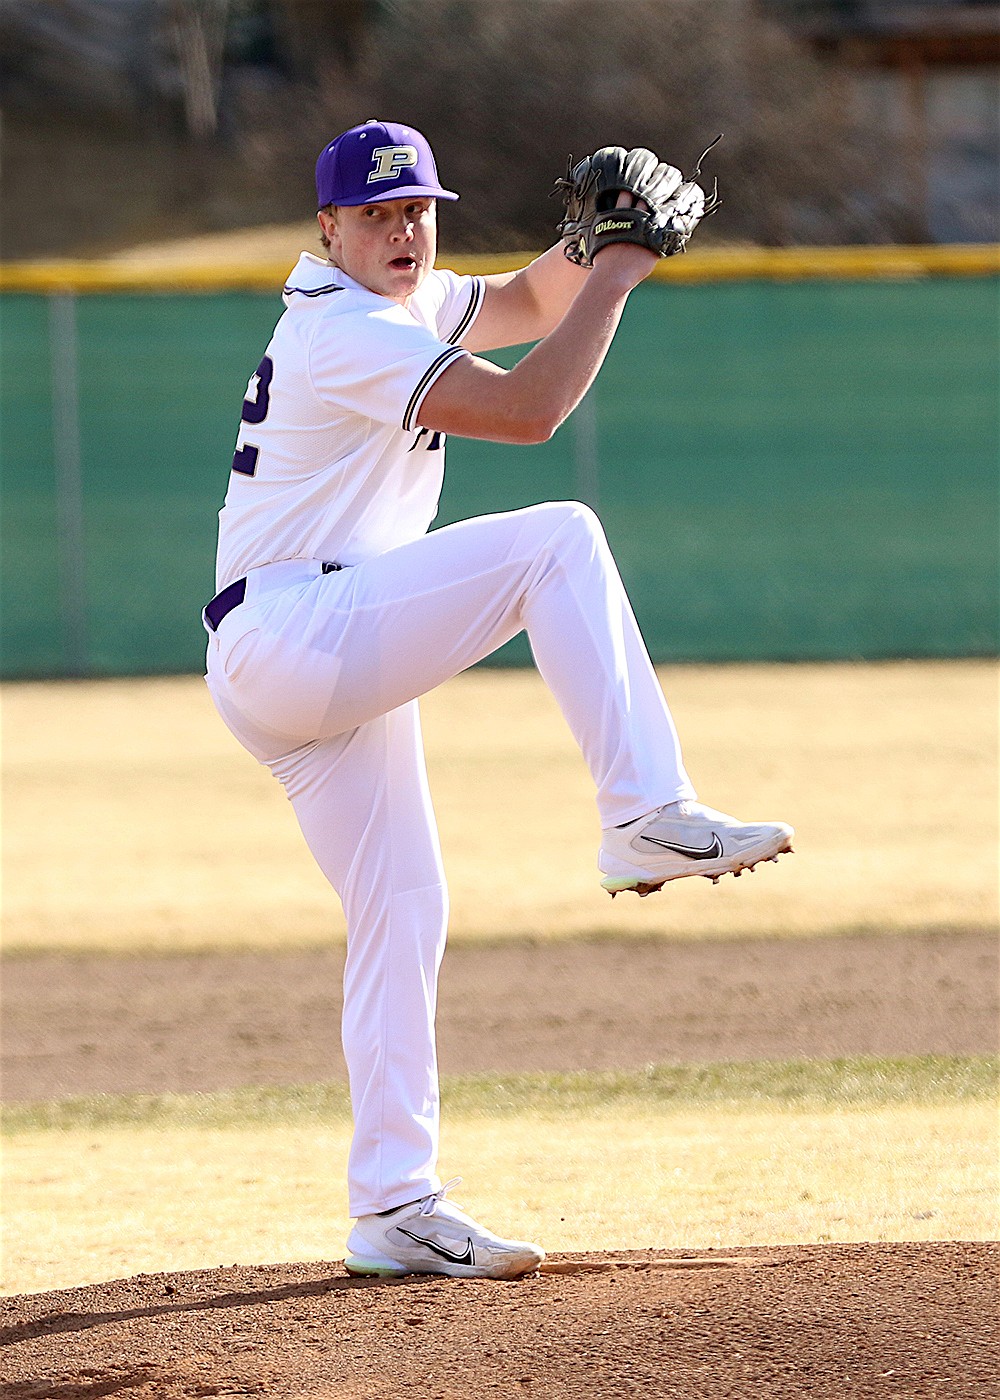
318,676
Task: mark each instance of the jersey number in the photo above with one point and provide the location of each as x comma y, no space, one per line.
254,411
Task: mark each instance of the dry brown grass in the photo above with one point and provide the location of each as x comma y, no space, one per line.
83,1205
133,820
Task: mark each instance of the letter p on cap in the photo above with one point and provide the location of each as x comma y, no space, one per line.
388,161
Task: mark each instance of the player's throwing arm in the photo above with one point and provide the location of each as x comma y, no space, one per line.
624,211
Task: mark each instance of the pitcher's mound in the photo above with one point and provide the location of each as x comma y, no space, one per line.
827,1322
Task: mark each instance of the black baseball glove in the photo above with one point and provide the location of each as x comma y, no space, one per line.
670,210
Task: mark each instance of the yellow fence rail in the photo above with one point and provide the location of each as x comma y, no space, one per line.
709,265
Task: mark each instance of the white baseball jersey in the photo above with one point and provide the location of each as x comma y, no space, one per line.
339,469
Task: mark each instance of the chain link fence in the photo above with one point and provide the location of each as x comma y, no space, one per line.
785,471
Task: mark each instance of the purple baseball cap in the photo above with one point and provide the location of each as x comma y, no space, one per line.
378,160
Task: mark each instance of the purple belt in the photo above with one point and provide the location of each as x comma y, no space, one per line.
232,596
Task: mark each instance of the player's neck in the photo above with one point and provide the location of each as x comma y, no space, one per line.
403,299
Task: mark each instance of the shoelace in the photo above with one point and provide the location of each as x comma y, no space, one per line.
427,1208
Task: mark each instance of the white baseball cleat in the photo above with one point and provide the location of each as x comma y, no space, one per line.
432,1236
683,839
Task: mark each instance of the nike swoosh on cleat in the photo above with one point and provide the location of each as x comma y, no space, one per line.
469,1257
710,852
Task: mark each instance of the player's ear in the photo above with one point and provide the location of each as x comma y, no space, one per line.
327,224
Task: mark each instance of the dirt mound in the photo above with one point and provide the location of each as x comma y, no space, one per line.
817,1321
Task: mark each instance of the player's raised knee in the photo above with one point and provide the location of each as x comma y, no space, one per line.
581,519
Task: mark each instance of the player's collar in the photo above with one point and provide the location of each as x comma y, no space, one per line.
313,277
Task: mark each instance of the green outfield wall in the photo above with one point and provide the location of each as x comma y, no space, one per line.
800,469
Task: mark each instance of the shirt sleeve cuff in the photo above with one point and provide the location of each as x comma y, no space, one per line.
471,311
430,374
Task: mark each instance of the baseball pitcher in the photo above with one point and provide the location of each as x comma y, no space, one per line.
336,609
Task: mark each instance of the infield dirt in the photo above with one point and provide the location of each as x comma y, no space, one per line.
833,1322
193,1023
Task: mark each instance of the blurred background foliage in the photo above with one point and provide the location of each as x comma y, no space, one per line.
845,121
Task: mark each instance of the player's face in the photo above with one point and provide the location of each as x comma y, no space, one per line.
389,247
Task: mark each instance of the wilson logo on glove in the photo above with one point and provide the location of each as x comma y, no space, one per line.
608,225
